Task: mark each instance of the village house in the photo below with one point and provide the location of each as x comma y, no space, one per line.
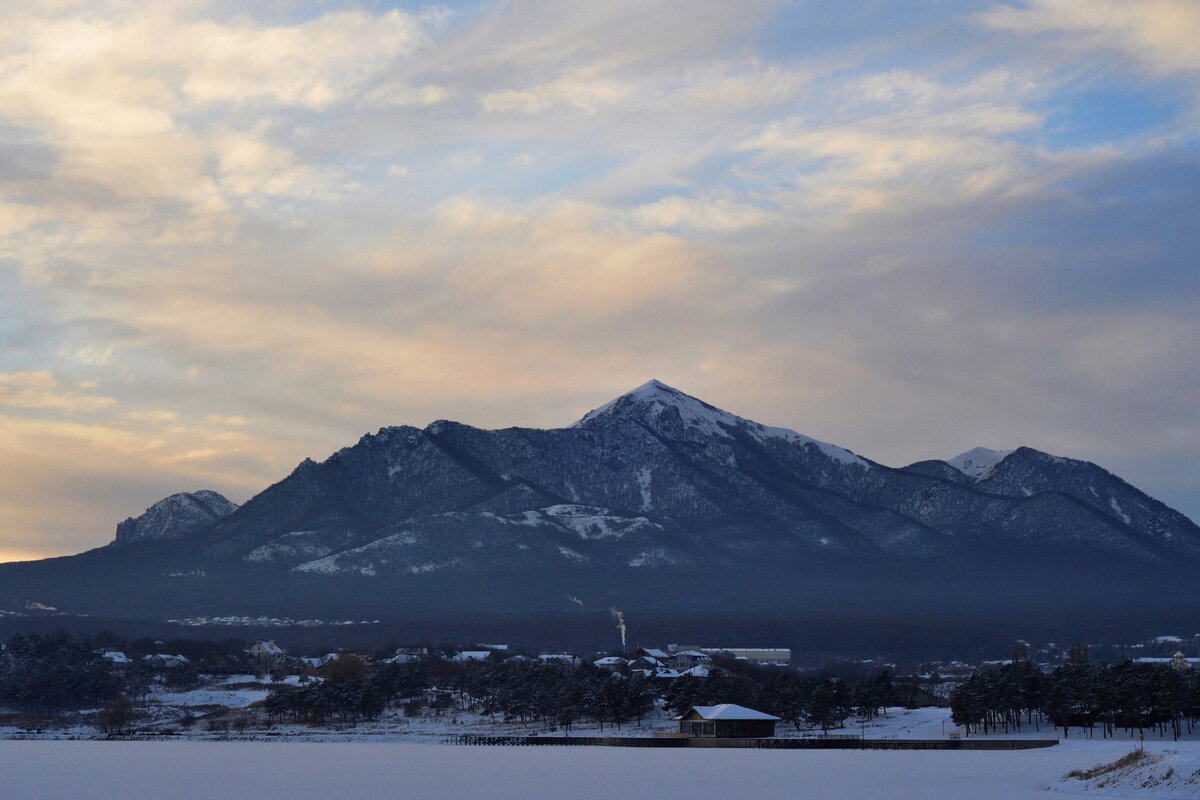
116,658
267,654
726,721
611,663
1178,662
689,659
166,660
653,653
569,659
780,656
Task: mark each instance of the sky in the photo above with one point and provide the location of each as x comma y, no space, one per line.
233,239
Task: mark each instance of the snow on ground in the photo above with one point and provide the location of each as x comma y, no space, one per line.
104,770
235,694
1169,772
412,756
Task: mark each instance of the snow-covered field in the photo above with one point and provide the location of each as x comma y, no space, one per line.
408,756
101,770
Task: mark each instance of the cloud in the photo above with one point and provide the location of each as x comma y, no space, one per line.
265,232
1160,36
40,390
716,214
583,90
157,119
311,65
465,159
904,138
95,355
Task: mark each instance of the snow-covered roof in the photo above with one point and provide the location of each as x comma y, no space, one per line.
729,711
654,652
666,673
564,658
695,654
403,658
165,658
609,661
116,657
647,661
473,655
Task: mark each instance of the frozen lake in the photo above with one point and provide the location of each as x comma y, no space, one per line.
120,770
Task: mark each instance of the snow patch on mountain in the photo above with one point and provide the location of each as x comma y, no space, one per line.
298,546
979,462
570,554
364,560
644,485
654,557
586,522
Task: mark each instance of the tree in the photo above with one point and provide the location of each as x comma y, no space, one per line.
116,716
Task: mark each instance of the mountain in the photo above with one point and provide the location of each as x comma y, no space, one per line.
660,480
176,516
656,498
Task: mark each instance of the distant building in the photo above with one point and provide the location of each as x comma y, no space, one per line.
610,663
166,660
653,673
1178,661
409,655
763,655
661,656
726,721
570,659
267,654
704,671
116,658
687,659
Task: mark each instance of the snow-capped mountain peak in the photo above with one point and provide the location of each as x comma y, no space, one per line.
653,398
650,401
176,516
979,462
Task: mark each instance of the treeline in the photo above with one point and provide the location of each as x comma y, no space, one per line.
54,673
50,674
553,695
351,691
559,696
1131,696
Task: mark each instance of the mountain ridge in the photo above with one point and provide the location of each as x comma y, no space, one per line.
655,501
659,479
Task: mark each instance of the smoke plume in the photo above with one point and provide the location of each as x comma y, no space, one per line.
620,618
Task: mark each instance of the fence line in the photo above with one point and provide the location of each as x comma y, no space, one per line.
762,744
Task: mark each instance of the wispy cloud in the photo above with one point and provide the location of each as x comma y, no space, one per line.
1160,36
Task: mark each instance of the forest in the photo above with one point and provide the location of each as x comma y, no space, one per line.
1131,696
